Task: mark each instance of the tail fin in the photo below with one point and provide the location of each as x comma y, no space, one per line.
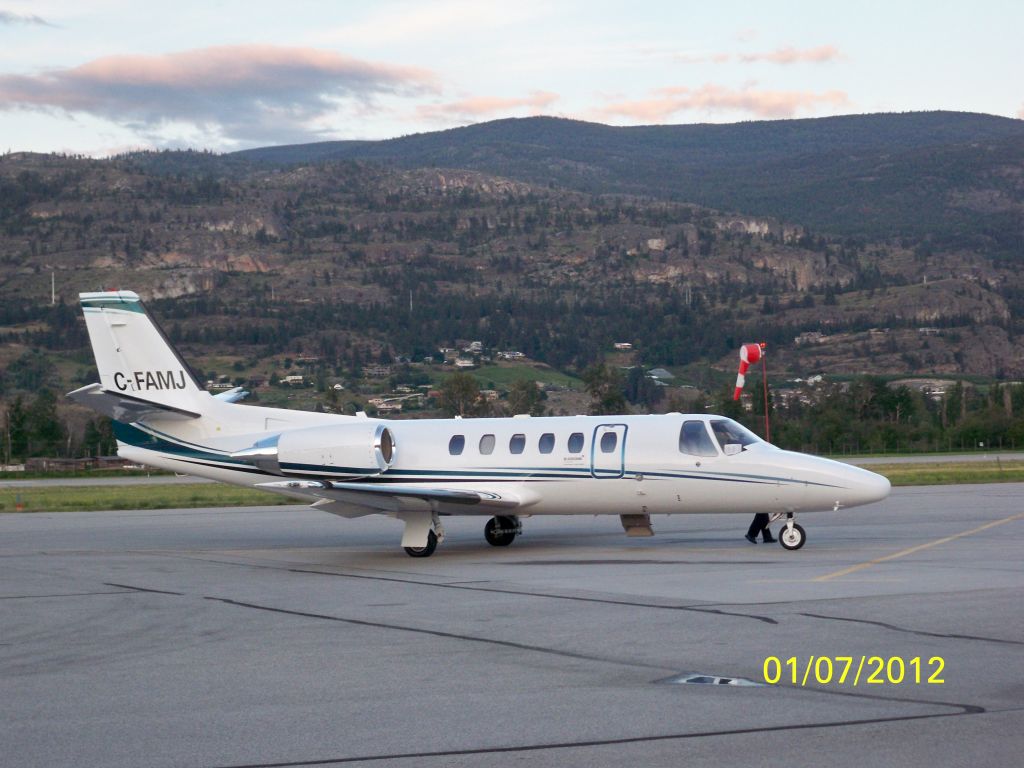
136,362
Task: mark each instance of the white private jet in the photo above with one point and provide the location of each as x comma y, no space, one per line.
420,471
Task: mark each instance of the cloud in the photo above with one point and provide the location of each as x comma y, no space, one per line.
787,55
791,55
1020,112
717,98
9,17
247,93
485,106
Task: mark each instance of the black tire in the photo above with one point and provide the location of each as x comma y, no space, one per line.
500,531
426,551
792,540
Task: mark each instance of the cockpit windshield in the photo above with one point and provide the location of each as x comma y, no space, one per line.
695,440
728,432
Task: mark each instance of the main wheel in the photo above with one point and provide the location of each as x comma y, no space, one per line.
500,531
426,551
792,539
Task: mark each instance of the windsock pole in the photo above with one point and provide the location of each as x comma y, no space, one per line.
764,379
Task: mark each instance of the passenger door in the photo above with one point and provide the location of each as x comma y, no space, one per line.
608,451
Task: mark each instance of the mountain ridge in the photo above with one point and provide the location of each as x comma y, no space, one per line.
875,175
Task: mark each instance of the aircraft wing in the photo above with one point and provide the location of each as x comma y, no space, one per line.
126,408
357,499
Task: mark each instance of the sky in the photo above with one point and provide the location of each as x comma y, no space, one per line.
100,77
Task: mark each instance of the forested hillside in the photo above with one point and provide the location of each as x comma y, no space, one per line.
903,264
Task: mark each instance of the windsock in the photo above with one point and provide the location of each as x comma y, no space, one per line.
749,355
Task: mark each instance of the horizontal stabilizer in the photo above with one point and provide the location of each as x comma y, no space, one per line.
394,498
232,395
127,408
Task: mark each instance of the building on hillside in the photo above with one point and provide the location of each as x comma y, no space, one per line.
809,337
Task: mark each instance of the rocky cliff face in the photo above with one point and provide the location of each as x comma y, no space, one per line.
352,233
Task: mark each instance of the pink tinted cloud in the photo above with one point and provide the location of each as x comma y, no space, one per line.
791,55
250,92
1020,112
717,98
485,106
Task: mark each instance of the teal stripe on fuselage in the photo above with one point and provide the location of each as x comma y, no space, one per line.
155,441
138,438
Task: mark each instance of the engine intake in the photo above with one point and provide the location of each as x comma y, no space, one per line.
356,450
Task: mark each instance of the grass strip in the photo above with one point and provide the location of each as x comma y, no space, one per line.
93,498
952,473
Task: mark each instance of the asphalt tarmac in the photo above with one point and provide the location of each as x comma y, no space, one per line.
282,636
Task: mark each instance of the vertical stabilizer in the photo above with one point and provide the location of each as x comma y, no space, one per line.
133,356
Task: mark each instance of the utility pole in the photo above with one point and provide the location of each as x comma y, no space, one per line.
53,289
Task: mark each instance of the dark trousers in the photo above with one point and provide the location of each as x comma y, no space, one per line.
759,525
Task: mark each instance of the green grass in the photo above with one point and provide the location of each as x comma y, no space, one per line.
951,473
506,375
93,498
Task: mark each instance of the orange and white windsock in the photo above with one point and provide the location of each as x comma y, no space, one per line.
749,355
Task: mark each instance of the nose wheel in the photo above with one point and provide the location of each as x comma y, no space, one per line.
792,536
502,531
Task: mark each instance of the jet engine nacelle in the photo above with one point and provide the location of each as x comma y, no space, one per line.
350,450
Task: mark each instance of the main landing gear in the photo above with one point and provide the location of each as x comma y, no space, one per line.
791,536
426,550
502,531
423,532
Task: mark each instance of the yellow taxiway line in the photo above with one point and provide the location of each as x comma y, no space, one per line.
918,548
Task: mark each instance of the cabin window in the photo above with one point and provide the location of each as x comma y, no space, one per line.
695,440
517,444
728,432
546,443
608,442
456,444
487,445
576,442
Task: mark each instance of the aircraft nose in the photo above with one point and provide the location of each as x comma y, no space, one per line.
864,487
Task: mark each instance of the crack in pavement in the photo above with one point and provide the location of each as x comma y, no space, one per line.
921,632
439,633
605,742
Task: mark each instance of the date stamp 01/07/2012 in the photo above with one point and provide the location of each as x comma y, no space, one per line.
854,670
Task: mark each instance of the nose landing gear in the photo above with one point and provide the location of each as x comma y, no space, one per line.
792,536
502,531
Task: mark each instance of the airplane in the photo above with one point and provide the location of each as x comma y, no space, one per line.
420,471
